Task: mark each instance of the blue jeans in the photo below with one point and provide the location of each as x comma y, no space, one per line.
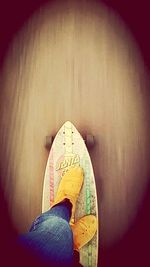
50,237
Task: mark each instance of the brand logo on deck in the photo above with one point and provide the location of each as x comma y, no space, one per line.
68,161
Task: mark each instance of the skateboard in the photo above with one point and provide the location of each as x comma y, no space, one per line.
68,149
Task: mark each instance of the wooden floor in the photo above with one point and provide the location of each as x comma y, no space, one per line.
75,62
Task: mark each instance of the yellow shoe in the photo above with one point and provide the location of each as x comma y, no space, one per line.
84,230
69,188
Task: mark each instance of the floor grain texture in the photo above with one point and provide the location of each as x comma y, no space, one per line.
76,63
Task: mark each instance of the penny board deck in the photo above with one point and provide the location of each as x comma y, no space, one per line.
69,149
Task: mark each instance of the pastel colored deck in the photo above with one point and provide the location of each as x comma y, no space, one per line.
69,149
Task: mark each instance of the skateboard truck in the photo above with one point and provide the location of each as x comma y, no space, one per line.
88,139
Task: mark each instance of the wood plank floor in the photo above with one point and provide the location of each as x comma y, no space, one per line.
78,62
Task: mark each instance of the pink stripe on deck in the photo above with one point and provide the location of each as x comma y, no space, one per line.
51,176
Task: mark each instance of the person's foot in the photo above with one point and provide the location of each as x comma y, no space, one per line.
84,230
69,188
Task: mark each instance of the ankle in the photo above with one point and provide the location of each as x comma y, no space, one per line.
68,204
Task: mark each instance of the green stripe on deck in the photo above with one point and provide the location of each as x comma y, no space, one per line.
86,167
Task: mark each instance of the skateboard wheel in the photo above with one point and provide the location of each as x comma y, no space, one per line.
49,141
89,140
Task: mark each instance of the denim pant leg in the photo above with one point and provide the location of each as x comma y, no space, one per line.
50,238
